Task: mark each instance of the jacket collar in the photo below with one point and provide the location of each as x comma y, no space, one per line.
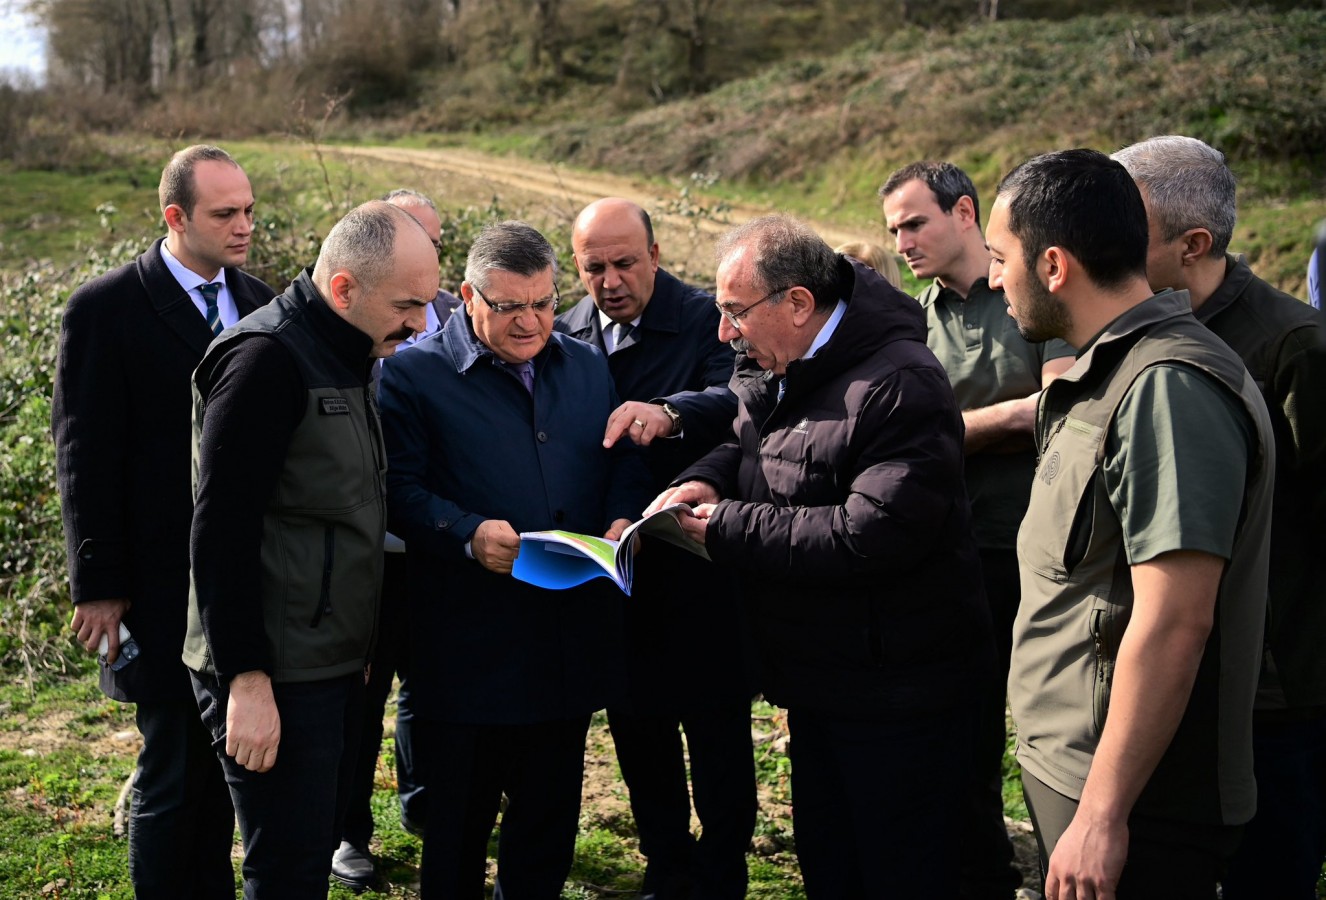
171,301
1124,330
465,348
1237,278
350,345
662,313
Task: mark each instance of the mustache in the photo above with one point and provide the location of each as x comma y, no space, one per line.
402,334
741,345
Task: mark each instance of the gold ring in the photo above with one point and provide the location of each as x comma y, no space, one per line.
640,423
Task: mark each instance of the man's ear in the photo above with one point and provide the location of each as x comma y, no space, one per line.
965,210
176,220
803,305
1054,267
342,286
653,256
1196,246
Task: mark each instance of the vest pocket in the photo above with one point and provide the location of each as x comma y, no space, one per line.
328,566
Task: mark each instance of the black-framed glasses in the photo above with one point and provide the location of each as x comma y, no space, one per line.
734,318
515,309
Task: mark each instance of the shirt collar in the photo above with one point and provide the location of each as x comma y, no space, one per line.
827,331
188,278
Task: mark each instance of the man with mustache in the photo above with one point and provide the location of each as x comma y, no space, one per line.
287,538
128,343
841,507
688,661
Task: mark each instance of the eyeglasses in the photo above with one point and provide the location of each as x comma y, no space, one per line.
734,318
515,309
437,245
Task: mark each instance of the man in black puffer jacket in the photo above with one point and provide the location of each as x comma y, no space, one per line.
842,505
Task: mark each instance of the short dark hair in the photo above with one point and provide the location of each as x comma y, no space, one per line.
509,246
1086,203
786,253
946,181
649,227
178,186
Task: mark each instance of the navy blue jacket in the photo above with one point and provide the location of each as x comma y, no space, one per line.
688,649
674,355
120,415
466,442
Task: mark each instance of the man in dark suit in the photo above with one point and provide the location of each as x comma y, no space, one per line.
687,661
494,427
129,342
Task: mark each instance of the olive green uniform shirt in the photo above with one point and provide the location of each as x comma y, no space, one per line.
987,361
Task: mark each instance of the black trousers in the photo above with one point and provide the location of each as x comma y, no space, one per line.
1166,860
987,870
540,768
873,802
181,823
649,750
1284,845
291,817
390,659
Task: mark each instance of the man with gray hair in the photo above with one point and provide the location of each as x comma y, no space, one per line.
1188,190
495,427
289,473
841,505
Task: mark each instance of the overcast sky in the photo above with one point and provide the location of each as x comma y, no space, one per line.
22,45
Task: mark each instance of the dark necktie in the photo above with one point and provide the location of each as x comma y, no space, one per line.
209,292
619,334
525,372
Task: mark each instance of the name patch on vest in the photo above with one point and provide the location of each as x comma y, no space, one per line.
335,406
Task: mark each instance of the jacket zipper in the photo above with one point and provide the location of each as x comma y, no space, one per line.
328,564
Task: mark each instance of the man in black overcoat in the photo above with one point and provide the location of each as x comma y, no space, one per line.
688,662
129,342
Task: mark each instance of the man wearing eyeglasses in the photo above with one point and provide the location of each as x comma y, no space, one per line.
688,666
495,427
841,505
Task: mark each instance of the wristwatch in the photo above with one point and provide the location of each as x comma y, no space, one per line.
675,416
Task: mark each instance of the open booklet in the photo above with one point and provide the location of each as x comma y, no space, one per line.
563,559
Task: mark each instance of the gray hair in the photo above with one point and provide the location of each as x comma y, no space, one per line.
510,246
407,197
363,244
178,186
1188,184
786,253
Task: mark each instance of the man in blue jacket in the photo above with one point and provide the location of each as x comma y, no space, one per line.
495,427
687,665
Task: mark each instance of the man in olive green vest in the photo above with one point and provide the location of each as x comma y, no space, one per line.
1143,553
286,549
1190,199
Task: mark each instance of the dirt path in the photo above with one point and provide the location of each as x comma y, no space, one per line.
568,190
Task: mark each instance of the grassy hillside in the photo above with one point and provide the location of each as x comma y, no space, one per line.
818,135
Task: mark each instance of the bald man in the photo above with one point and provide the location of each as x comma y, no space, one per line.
688,659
